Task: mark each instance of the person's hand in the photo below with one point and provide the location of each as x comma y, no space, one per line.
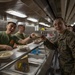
37,41
7,47
35,35
15,45
43,37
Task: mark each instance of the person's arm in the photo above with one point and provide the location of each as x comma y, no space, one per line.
21,41
50,45
24,41
47,43
6,47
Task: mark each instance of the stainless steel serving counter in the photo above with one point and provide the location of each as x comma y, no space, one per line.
38,63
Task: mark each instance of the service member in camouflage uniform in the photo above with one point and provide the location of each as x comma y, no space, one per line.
65,45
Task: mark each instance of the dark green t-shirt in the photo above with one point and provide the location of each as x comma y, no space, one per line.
20,36
7,39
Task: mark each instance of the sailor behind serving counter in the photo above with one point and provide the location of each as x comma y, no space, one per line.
21,29
20,34
7,40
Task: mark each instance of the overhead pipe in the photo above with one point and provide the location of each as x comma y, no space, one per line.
46,8
50,8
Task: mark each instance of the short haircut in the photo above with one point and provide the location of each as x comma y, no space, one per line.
12,22
60,18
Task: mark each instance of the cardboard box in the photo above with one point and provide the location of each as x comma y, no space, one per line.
22,64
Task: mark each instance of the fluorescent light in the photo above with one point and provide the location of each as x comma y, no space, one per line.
41,23
44,24
32,19
48,19
47,25
16,13
73,24
30,25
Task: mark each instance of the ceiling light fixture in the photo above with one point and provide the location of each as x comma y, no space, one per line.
44,24
73,24
16,13
32,19
48,19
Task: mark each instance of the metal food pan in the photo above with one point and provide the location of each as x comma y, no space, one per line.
12,71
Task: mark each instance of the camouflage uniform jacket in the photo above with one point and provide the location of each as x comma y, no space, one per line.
66,49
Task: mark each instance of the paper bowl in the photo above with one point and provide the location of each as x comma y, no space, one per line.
5,54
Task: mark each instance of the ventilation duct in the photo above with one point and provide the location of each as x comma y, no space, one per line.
44,5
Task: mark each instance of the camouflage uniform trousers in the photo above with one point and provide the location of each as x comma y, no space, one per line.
67,73
69,69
